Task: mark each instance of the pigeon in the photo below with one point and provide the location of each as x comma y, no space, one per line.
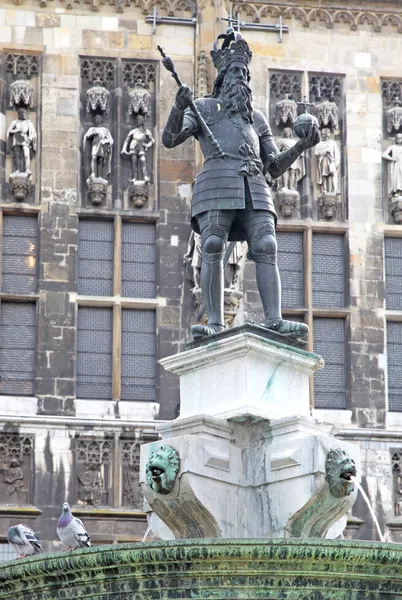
23,540
71,531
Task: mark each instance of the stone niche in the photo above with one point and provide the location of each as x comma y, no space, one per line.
392,150
93,468
21,85
117,132
16,469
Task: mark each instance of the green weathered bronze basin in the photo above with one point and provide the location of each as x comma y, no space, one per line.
262,568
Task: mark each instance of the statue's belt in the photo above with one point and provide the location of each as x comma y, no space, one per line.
249,166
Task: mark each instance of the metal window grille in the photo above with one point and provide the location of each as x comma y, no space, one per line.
394,357
94,353
7,552
95,258
330,382
20,238
17,348
138,260
290,262
138,359
393,273
328,277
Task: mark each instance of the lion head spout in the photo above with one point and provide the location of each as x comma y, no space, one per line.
161,469
340,469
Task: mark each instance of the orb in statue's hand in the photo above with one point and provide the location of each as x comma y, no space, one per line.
303,124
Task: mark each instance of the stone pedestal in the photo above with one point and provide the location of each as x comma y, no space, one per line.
329,203
97,190
139,192
244,375
287,202
245,458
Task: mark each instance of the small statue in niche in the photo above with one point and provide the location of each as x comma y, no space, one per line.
136,144
328,165
22,140
287,194
13,476
101,160
393,156
91,487
21,143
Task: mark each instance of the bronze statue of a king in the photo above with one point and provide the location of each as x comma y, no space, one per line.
232,200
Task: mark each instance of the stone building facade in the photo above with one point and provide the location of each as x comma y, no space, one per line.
94,224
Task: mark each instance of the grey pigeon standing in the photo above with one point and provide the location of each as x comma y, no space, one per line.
71,531
23,540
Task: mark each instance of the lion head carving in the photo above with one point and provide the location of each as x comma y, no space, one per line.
161,469
340,468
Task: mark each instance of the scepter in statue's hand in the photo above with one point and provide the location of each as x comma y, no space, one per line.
169,66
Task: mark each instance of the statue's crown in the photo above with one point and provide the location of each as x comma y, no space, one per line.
234,49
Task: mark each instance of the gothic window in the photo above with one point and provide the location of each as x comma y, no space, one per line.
393,305
313,275
116,350
19,238
393,273
394,357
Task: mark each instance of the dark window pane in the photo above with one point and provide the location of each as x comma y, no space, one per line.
393,273
394,358
138,260
138,360
95,258
94,355
328,270
290,262
330,382
20,236
17,348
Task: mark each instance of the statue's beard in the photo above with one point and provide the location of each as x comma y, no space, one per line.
237,98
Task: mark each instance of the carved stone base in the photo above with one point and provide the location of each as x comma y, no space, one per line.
286,201
329,203
395,208
139,192
97,190
20,185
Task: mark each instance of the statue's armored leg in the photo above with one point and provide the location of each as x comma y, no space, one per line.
26,160
263,250
213,238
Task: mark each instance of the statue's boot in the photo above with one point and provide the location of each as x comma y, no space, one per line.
201,331
290,328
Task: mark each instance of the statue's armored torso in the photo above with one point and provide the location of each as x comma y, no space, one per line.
221,181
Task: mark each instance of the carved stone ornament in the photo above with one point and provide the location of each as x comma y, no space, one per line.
162,469
92,457
286,201
397,481
16,453
394,117
340,469
285,112
202,74
98,98
327,114
231,303
130,459
97,190
140,100
395,209
20,185
21,94
138,193
328,203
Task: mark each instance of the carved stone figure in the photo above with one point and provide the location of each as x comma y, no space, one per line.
162,469
136,144
328,163
394,116
340,470
13,476
297,170
393,155
231,197
130,461
101,149
91,486
22,141
15,468
101,160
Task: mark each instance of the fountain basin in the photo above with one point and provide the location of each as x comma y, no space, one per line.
305,569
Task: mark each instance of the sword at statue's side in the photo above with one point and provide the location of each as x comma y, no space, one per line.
169,65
